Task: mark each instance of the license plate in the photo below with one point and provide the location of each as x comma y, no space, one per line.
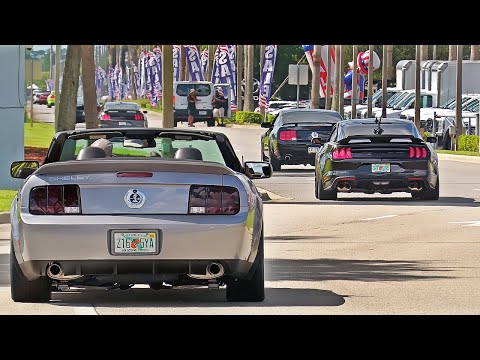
135,242
313,149
382,168
122,123
202,113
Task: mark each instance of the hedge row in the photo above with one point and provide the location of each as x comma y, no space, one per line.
468,143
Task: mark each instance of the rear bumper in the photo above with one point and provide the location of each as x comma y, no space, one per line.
84,239
180,115
294,154
122,123
362,181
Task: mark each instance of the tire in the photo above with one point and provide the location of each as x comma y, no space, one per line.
175,123
23,290
210,122
252,290
326,194
316,188
431,194
276,165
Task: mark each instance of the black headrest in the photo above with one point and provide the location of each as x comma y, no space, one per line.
188,153
91,152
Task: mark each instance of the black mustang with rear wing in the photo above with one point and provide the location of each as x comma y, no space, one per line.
377,155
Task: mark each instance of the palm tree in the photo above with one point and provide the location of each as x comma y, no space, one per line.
336,79
248,106
452,52
474,52
133,55
89,93
315,95
71,73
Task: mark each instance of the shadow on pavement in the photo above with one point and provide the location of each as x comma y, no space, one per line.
195,297
4,269
352,270
400,201
307,238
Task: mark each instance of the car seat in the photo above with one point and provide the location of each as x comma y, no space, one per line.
188,153
91,153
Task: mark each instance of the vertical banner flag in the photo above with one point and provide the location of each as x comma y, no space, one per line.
232,53
176,62
326,51
222,72
268,67
193,61
50,84
158,74
143,74
205,64
110,83
99,79
136,78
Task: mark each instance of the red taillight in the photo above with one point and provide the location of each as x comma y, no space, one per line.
417,152
55,199
138,117
342,153
213,200
105,116
288,135
135,174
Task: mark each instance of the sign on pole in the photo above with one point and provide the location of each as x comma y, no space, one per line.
298,75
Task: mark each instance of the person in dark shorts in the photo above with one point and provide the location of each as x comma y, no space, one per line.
192,106
219,102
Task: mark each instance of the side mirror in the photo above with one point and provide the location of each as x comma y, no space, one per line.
145,111
267,125
23,169
258,169
431,139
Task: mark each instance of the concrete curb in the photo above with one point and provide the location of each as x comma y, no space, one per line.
270,196
460,158
4,217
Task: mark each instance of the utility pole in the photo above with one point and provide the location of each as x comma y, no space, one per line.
354,83
315,95
211,58
434,57
31,91
336,79
58,57
458,108
418,51
370,82
51,62
328,95
167,86
342,84
384,81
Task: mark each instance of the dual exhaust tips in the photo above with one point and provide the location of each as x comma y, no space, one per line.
344,186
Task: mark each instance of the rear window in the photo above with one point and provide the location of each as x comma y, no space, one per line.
202,89
388,129
122,106
310,117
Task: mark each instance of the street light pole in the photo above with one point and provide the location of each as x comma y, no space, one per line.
57,82
417,85
370,82
354,83
31,93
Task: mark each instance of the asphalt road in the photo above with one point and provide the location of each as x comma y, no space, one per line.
362,254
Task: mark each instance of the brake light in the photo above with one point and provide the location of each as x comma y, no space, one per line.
105,116
288,135
205,199
417,152
342,153
135,174
55,199
138,117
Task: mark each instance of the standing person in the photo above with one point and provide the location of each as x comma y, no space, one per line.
192,106
219,103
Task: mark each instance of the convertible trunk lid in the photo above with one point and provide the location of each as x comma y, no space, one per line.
133,186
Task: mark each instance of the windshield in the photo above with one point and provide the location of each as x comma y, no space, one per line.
293,117
405,101
121,106
472,106
396,98
201,89
388,129
163,147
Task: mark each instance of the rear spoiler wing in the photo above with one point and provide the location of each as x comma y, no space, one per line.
380,138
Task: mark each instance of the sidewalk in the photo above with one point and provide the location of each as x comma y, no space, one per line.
460,158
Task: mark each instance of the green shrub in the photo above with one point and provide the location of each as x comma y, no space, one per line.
248,117
426,134
468,143
145,104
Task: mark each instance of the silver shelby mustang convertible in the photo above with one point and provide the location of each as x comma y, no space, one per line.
117,207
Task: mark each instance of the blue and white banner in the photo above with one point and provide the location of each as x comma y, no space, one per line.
100,75
143,74
176,62
268,67
194,64
222,72
136,78
232,53
205,63
111,86
158,74
50,84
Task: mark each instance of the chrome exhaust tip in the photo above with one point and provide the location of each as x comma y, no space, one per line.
287,157
55,271
215,269
348,187
340,186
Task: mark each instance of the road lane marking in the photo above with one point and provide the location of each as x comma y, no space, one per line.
84,310
467,223
379,217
